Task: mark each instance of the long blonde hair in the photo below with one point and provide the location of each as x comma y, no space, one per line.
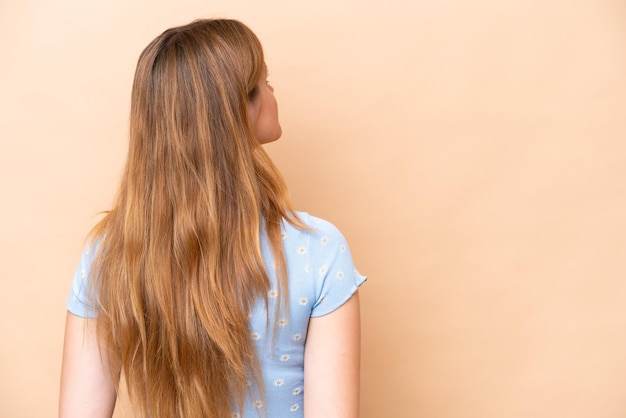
180,266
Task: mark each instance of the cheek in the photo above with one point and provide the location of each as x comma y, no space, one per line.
274,111
275,107
267,126
268,111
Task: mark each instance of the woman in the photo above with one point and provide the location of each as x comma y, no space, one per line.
201,286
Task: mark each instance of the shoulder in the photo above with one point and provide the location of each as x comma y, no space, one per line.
328,266
317,227
321,239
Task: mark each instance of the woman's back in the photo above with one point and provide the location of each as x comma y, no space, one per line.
322,277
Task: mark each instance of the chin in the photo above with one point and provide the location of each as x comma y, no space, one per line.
279,134
266,139
269,141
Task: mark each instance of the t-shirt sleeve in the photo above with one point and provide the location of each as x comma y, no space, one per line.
331,262
79,301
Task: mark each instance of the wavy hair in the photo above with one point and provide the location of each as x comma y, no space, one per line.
179,266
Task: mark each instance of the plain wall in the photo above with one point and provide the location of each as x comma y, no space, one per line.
473,153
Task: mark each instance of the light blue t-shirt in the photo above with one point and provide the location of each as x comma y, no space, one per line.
322,277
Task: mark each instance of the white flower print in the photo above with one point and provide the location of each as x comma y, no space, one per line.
282,322
301,250
303,301
235,415
340,275
342,248
325,240
307,269
258,404
255,336
297,391
284,357
294,407
278,382
296,337
82,273
283,235
323,270
273,293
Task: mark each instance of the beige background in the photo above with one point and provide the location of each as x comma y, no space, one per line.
474,154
